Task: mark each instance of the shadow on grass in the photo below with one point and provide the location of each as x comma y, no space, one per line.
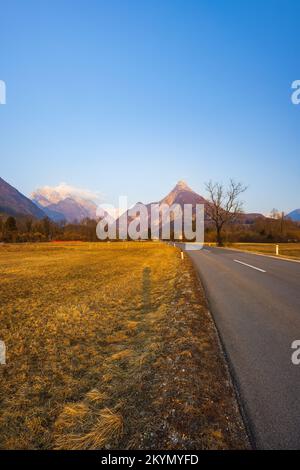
146,290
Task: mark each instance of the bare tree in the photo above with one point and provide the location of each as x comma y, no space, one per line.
280,217
224,205
275,214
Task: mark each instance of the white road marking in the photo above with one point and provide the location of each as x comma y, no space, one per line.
250,266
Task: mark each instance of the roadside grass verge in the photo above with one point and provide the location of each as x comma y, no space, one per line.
287,250
110,346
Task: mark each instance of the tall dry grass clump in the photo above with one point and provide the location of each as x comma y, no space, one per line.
108,427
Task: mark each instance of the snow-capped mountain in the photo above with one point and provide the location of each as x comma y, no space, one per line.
71,204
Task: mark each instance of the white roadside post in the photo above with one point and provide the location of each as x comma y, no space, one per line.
2,353
181,254
277,250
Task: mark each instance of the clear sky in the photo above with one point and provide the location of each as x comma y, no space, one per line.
127,97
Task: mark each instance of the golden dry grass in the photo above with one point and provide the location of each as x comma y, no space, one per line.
287,250
110,346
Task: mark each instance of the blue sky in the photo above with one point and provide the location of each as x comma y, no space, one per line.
127,97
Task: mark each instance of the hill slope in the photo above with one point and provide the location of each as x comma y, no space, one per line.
294,215
12,202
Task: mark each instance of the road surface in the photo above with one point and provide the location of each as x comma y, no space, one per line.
255,301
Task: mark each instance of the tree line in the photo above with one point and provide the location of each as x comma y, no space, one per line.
263,230
26,229
223,223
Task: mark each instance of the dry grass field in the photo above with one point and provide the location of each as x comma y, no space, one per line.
287,250
110,346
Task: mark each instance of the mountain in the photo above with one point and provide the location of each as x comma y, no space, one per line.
12,202
73,210
249,218
62,204
182,194
52,214
294,215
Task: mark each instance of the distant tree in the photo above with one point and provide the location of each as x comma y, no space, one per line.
282,223
10,230
279,220
46,227
10,224
224,205
28,224
275,214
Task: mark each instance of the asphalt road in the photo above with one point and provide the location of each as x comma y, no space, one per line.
257,313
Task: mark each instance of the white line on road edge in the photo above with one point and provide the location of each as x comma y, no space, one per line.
250,266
